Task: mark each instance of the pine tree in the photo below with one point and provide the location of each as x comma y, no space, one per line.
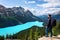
1,37
30,37
36,34
7,36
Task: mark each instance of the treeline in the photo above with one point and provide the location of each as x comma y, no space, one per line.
8,21
56,29
29,34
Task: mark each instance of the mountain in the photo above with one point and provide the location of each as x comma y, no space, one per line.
15,15
56,16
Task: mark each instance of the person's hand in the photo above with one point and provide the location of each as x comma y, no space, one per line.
46,26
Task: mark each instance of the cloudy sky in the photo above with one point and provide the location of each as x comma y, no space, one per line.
37,7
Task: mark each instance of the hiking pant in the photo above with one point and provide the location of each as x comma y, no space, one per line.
47,31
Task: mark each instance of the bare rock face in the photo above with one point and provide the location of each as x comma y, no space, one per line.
2,8
15,13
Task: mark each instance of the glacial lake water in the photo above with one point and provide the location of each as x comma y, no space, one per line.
15,29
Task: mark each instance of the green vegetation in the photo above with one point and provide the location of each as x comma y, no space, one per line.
8,21
1,37
56,29
29,34
32,33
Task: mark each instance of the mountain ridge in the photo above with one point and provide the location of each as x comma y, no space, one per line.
18,14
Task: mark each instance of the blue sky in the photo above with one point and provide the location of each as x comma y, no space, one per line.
37,7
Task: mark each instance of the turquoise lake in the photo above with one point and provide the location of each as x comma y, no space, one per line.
15,29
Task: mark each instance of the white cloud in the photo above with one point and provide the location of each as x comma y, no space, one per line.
51,10
52,1
30,2
47,8
46,11
34,11
26,8
50,4
50,7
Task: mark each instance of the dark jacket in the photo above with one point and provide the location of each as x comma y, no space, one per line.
49,23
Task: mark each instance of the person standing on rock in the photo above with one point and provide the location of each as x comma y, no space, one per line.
49,26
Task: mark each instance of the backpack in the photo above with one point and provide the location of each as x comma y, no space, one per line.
53,23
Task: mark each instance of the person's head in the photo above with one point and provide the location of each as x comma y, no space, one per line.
49,16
